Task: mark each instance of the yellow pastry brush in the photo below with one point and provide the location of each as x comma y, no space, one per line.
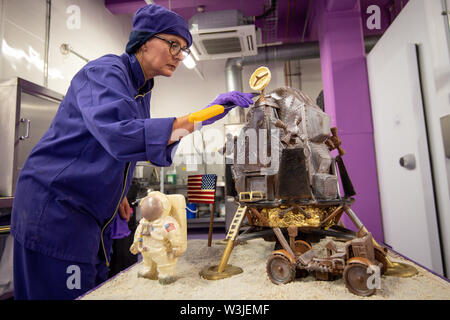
206,113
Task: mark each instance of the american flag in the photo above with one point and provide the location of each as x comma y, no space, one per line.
201,188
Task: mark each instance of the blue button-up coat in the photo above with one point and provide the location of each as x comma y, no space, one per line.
69,189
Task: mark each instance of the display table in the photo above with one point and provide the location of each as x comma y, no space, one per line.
253,283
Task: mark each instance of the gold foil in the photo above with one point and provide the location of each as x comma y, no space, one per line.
313,217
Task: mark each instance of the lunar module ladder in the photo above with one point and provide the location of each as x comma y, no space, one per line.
236,223
224,270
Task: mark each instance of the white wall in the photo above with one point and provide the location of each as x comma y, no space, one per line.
22,31
420,22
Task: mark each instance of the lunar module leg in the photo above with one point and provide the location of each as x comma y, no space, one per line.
394,269
224,270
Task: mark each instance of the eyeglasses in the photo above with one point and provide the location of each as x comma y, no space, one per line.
175,48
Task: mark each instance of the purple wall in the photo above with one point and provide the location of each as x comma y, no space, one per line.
347,101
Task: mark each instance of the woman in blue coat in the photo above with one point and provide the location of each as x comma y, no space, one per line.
72,187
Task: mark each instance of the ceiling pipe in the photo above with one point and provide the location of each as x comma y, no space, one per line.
306,21
291,51
273,7
233,66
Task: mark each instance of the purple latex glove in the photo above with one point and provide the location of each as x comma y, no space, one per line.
120,228
229,100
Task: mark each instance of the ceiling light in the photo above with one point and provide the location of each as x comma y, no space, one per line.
189,62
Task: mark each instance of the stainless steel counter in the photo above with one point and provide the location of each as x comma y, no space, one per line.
6,202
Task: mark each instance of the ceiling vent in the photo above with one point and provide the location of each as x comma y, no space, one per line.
222,34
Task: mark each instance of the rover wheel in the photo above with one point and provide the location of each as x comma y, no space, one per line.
301,247
381,257
356,278
280,270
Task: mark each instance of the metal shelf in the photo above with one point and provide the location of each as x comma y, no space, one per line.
6,202
197,223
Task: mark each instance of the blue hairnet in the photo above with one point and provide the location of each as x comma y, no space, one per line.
153,19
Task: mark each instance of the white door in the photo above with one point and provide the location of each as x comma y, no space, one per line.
406,187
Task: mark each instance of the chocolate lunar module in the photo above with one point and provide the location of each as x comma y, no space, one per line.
287,185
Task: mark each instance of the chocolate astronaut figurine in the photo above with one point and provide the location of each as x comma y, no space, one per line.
161,236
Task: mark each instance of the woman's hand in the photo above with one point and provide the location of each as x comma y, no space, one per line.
230,100
125,209
181,127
